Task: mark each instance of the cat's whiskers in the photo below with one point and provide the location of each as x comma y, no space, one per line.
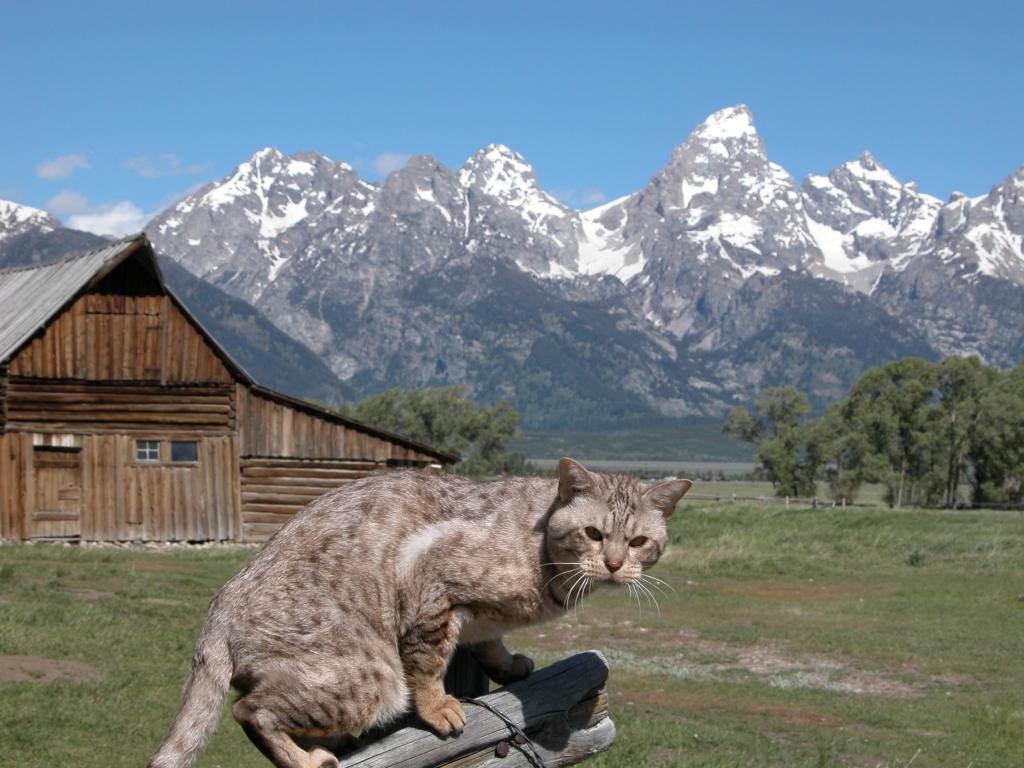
655,585
633,593
648,594
561,574
659,581
579,595
579,580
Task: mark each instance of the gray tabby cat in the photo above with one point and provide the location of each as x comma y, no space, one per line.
351,611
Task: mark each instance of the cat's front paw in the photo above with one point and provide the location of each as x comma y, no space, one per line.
321,758
520,668
445,716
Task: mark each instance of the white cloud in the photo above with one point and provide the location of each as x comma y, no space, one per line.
165,164
119,218
61,167
123,218
386,162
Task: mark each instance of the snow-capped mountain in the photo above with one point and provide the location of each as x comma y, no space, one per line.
16,219
865,221
722,275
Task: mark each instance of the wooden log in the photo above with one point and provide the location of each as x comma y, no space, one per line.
562,708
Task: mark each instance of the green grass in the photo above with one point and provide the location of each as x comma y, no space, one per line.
797,638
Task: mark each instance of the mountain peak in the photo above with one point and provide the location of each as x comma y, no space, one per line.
866,168
15,217
499,171
267,153
730,123
497,155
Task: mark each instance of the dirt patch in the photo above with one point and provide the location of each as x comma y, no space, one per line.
705,659
702,704
84,593
39,669
160,566
807,591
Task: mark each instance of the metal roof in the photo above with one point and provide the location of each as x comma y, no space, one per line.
29,296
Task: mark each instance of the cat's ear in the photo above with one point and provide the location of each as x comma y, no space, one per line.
573,479
665,496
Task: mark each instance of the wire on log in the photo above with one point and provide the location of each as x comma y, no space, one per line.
562,709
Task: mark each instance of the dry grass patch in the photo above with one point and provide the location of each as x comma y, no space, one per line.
39,669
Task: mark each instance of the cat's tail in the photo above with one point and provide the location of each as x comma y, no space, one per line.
201,700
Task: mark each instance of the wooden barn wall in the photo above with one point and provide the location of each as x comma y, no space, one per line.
123,499
3,398
77,405
12,487
275,489
104,337
271,428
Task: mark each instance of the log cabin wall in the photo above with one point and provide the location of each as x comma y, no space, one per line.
121,419
290,455
54,405
122,364
3,398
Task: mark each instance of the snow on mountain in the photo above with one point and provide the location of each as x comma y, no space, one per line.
244,229
985,234
721,274
865,220
16,218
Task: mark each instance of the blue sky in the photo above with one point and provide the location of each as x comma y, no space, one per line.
113,110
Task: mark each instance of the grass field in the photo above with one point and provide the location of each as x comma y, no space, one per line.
795,638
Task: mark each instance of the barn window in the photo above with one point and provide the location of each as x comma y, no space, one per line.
184,450
147,450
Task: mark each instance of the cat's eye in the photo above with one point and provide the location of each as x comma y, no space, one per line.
593,533
638,541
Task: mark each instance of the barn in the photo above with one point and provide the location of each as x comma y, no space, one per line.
122,419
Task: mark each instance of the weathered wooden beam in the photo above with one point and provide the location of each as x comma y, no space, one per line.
563,709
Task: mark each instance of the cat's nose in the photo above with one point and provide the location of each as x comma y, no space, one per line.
613,565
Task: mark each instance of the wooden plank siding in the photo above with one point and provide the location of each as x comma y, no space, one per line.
104,337
270,427
104,406
123,499
274,489
112,358
3,398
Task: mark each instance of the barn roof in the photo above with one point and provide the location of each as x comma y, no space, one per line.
31,296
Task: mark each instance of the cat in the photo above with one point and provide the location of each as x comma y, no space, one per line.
351,611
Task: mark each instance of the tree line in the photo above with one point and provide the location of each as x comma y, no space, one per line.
922,429
445,418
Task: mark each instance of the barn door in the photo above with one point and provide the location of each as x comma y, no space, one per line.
58,493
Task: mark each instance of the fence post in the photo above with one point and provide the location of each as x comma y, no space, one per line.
787,502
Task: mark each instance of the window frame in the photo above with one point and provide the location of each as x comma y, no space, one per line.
146,445
195,448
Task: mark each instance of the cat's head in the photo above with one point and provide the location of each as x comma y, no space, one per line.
612,525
